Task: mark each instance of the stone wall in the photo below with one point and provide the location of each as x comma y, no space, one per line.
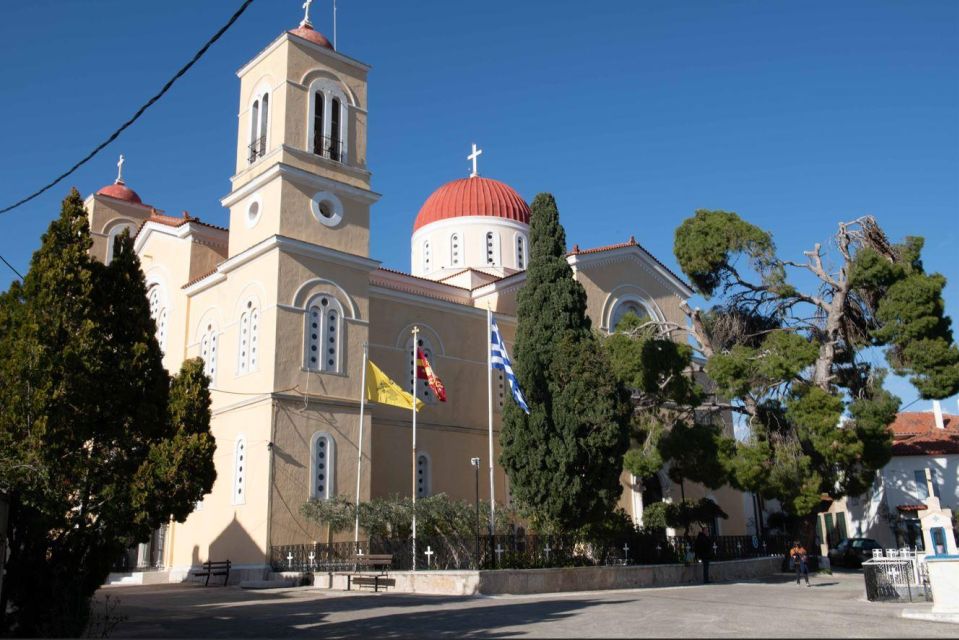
528,581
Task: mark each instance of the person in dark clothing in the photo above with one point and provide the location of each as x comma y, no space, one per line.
704,551
800,558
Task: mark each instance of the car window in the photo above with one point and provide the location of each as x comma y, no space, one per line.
871,544
857,544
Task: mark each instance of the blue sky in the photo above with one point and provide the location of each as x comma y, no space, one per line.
794,114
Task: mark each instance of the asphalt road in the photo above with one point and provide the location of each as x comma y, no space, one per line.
776,607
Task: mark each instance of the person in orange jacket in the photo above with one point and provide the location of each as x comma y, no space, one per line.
799,557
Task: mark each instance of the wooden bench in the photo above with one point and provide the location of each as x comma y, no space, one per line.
215,568
376,562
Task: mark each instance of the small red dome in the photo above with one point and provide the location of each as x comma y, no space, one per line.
307,32
474,196
120,191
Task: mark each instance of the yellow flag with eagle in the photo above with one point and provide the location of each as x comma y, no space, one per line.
380,388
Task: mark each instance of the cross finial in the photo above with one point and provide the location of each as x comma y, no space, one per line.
306,14
473,156
119,179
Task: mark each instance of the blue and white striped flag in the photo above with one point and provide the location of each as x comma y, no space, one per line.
500,360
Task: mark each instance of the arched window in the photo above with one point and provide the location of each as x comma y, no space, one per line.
112,237
208,352
327,121
322,466
239,471
259,121
492,248
249,325
423,391
158,313
520,251
455,254
323,328
423,477
629,306
427,256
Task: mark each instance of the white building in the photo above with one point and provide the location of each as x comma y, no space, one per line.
888,512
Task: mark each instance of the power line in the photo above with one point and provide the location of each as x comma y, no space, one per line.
136,116
12,268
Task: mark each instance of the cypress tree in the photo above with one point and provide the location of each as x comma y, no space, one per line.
86,420
564,459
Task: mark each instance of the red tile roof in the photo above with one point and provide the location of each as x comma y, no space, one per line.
915,434
629,243
201,277
307,32
120,191
911,507
476,196
913,422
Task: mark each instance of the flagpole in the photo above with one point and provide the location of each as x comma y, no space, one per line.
416,331
489,379
359,448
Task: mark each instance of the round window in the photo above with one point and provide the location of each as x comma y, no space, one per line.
327,208
253,211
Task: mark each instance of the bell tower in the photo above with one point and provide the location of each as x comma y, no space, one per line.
301,169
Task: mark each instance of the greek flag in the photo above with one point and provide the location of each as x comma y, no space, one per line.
500,360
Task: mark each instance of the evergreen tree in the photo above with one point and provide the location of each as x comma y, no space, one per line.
792,361
667,429
564,459
87,423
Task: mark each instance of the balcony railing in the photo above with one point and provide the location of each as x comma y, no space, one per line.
257,149
330,148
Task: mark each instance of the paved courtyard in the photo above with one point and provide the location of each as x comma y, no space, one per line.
774,607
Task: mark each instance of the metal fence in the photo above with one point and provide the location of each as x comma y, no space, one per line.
518,552
897,575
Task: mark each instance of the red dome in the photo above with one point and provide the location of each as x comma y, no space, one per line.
307,32
474,196
120,191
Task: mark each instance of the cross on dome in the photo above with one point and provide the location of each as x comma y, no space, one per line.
119,179
473,156
306,14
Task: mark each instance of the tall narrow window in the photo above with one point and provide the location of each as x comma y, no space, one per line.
922,489
423,479
318,123
323,334
520,251
242,358
158,313
455,250
492,248
264,113
239,471
246,356
322,466
208,352
335,142
254,124
254,326
427,256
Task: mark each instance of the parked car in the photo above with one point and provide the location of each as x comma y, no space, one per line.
852,552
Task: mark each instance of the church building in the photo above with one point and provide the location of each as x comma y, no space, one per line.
281,304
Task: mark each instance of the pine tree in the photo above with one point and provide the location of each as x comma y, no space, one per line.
565,458
86,420
792,361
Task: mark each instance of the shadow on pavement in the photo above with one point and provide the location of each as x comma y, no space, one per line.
232,613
